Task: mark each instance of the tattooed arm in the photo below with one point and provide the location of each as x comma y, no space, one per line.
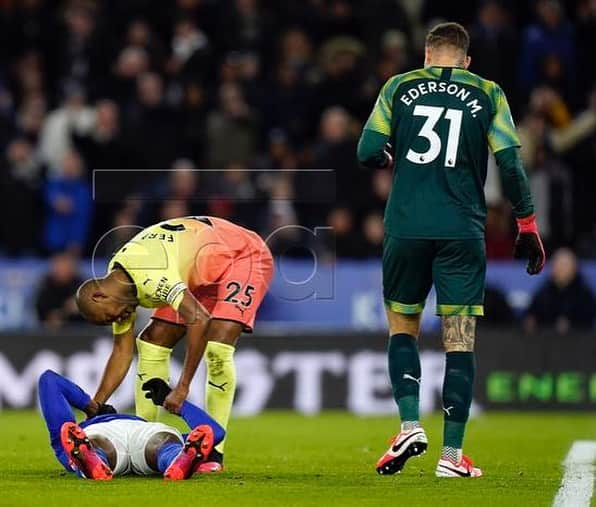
459,332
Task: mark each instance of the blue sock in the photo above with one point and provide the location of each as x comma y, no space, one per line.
102,455
166,454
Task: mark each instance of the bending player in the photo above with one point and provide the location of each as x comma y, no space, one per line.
119,444
206,278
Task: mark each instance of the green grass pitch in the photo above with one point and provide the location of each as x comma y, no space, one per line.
283,459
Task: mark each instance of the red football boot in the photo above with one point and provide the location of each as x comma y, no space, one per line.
81,454
198,445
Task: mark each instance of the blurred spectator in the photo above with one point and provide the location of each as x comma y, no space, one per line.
6,115
494,46
131,63
122,229
232,194
30,118
32,26
183,181
243,68
586,42
101,147
68,202
151,135
28,77
565,300
499,236
20,183
173,209
382,181
373,232
497,310
549,121
231,129
280,153
463,10
72,115
282,220
550,182
342,82
548,50
382,17
284,103
244,25
335,150
296,50
341,241
180,183
140,35
237,183
78,56
395,55
54,301
192,117
550,136
190,52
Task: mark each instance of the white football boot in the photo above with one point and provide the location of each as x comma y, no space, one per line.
465,468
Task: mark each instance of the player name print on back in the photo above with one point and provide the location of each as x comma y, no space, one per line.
462,93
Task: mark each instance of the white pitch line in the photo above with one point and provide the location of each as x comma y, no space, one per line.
578,479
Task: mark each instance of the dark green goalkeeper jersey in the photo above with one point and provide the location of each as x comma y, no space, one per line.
441,122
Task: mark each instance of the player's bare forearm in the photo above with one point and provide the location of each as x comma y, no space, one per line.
197,319
117,366
195,348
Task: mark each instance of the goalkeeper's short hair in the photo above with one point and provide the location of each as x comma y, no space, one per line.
449,34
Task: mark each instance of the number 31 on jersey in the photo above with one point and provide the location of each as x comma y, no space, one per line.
433,115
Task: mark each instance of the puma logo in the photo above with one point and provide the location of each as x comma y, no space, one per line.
407,376
221,387
238,307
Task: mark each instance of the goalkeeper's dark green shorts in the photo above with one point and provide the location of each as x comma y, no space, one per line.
457,267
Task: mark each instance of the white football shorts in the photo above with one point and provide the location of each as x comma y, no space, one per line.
130,438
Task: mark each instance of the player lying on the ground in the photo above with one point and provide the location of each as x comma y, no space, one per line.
442,121
108,443
206,278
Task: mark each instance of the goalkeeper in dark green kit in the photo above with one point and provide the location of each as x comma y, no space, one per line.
442,121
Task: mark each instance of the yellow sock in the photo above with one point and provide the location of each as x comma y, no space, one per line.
153,361
221,383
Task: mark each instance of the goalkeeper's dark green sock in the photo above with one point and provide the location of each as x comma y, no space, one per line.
457,398
404,371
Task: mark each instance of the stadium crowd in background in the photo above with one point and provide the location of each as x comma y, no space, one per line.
277,86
